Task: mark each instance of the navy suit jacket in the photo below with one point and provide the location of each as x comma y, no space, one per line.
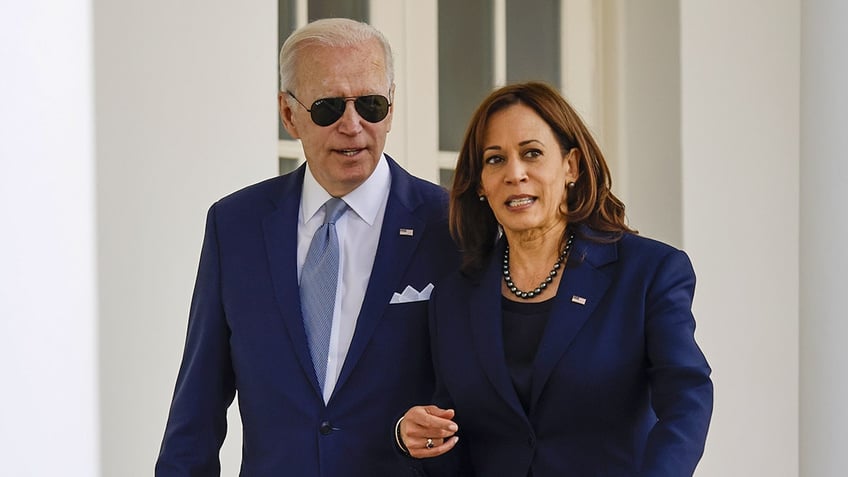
619,387
246,335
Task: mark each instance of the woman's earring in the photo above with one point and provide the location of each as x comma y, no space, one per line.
482,198
570,194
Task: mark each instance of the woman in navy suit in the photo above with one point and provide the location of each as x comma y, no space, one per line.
565,345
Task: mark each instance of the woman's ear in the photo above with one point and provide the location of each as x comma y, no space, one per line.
572,159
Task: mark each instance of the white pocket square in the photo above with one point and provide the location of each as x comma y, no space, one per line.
410,295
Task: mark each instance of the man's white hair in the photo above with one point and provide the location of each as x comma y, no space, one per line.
331,32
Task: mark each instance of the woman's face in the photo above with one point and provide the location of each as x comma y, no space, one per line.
524,173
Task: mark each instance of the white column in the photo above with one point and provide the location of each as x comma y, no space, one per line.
740,97
48,316
824,235
186,113
411,28
641,130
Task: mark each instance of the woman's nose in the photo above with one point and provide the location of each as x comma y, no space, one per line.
515,171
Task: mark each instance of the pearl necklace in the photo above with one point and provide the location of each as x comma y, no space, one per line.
526,295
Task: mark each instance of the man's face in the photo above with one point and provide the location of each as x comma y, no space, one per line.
342,155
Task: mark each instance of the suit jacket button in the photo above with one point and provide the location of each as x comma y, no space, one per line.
531,442
325,428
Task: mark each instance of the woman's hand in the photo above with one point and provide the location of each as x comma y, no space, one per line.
428,431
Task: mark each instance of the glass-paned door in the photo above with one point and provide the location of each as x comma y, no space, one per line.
449,54
488,43
291,15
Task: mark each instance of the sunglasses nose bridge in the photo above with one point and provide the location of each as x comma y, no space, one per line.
350,119
352,102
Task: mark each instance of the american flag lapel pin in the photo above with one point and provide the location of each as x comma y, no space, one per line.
406,232
578,299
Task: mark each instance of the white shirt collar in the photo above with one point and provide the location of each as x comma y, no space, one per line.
365,200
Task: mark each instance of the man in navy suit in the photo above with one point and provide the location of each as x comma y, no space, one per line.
247,335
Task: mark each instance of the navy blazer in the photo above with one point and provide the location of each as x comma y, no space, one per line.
246,336
619,387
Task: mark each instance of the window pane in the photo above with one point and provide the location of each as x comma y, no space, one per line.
285,26
533,41
287,164
355,9
446,178
466,67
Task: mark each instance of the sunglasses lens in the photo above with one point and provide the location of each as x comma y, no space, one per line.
373,108
327,111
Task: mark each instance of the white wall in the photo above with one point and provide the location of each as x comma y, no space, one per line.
48,402
186,113
824,233
740,142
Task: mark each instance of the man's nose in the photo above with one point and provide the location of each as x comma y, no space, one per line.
351,121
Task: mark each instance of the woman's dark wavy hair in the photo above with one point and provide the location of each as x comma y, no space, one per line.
590,202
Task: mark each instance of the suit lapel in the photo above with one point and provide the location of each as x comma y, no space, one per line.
394,252
485,310
280,228
579,293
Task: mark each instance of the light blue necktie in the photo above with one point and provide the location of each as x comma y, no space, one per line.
318,281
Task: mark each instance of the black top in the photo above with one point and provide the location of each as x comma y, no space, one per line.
523,327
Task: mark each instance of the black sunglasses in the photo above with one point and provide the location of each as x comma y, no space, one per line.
325,111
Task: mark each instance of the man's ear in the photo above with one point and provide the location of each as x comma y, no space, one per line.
391,108
286,115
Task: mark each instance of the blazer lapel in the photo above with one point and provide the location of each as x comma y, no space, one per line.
280,229
579,293
485,310
394,252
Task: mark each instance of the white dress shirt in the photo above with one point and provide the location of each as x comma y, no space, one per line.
359,232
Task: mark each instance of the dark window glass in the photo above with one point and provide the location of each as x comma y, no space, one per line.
446,178
355,9
466,66
533,41
285,26
287,164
